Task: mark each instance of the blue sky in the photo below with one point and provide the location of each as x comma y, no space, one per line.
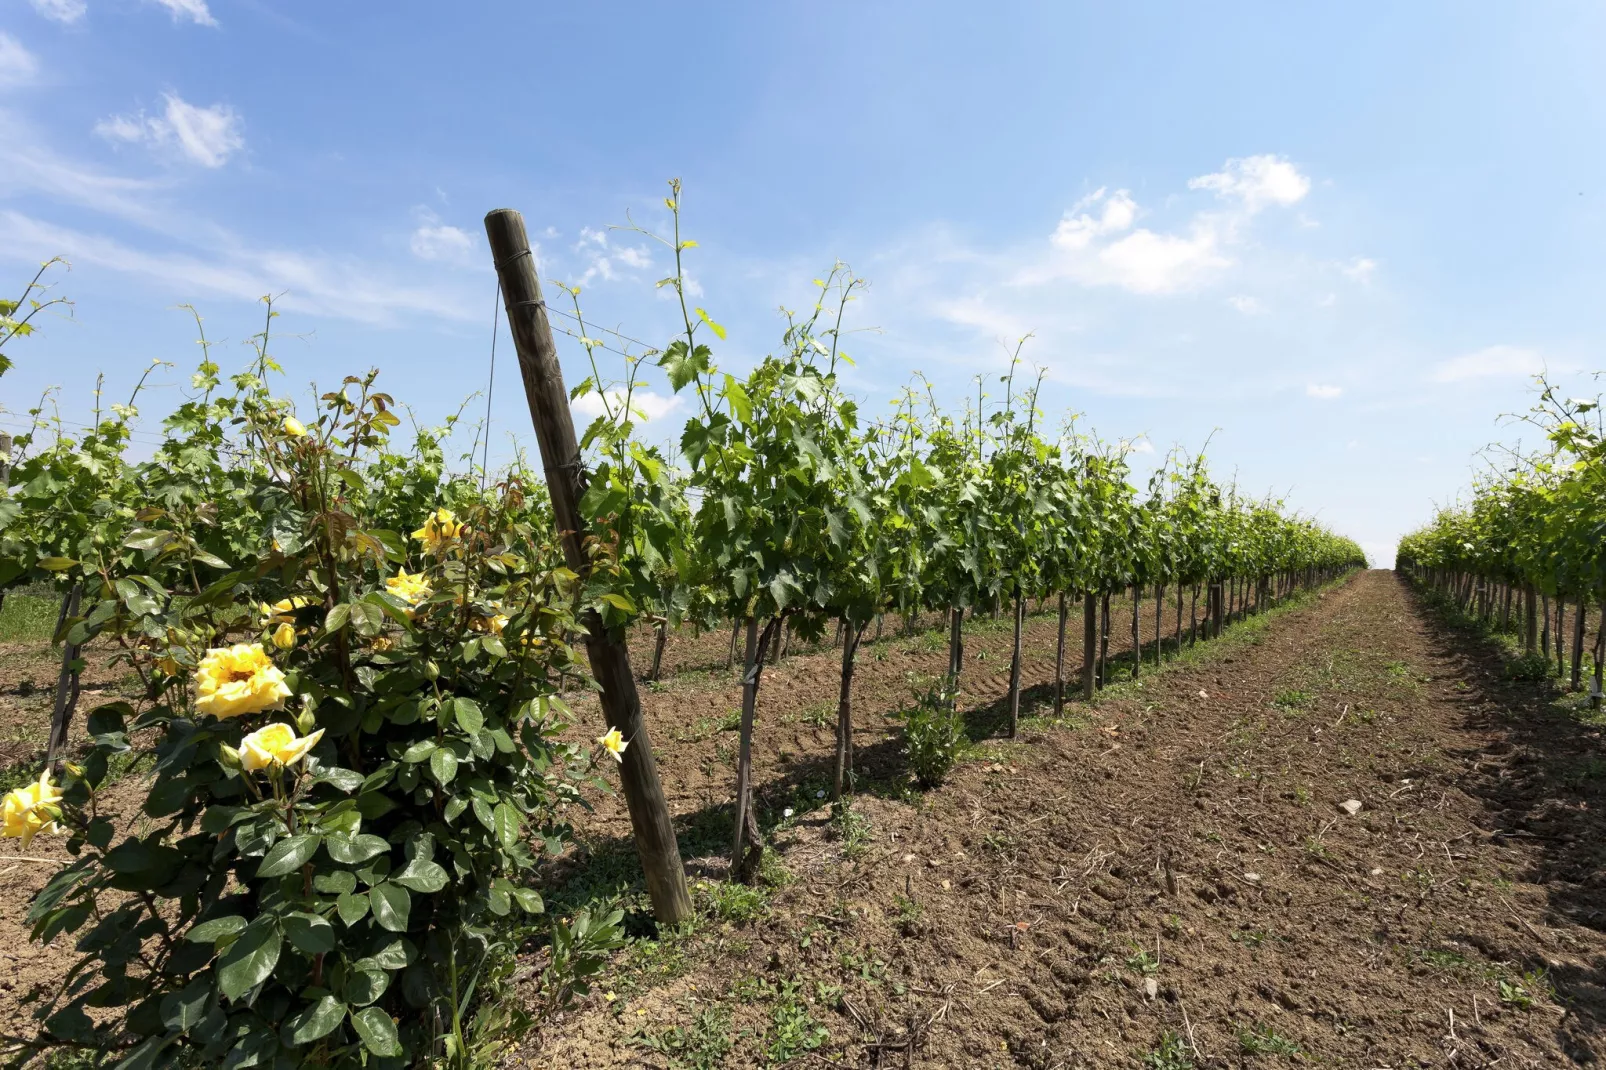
1341,238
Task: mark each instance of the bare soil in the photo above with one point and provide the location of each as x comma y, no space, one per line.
1168,877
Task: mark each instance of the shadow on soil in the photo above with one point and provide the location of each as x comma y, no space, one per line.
1544,782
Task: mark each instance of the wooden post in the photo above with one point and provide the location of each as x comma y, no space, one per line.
566,481
1059,662
66,680
1578,642
1090,642
1014,668
5,459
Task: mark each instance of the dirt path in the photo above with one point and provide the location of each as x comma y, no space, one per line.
1023,914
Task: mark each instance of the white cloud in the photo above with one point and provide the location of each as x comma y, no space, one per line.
206,136
604,261
441,243
1141,445
434,240
194,10
17,65
645,405
1325,391
1095,242
1360,269
61,10
1077,228
634,256
1490,362
1245,304
1141,261
1256,181
1149,263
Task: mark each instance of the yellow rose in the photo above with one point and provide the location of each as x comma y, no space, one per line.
294,428
284,637
31,810
283,611
494,622
614,743
275,745
440,528
410,587
239,679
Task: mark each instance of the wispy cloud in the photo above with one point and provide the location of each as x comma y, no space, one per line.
1501,361
1256,182
195,11
645,405
61,10
205,136
1246,304
434,240
17,65
1360,269
1098,243
1324,391
344,288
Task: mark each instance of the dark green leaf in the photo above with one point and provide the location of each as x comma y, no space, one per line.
378,1032
289,855
250,960
309,932
351,850
210,932
391,905
314,1022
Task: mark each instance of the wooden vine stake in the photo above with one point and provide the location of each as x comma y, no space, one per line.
566,481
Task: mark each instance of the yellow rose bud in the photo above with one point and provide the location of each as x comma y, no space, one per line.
275,745
306,722
239,679
294,427
284,637
228,756
432,671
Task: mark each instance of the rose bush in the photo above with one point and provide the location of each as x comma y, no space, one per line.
351,739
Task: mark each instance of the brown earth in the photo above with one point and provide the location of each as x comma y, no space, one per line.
1022,915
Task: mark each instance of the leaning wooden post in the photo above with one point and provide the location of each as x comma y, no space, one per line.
566,481
66,680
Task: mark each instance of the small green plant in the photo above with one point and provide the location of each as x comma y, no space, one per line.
703,1045
1292,700
731,901
580,948
1172,1053
1441,958
933,733
1528,667
1264,1040
1526,990
909,914
850,828
1250,938
820,714
792,1030
1142,961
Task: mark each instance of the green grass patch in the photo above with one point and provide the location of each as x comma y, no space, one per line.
29,615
